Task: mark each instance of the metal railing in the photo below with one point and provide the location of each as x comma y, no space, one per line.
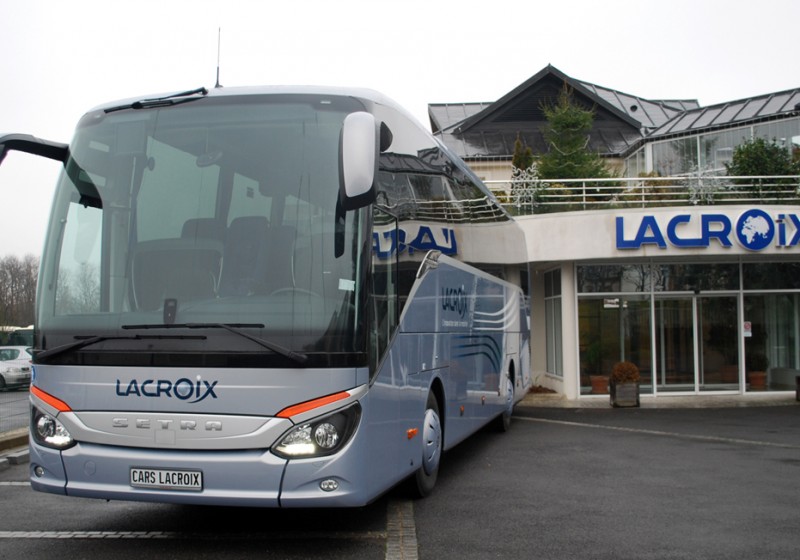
539,196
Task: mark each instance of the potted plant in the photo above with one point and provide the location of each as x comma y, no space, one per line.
624,385
599,382
757,370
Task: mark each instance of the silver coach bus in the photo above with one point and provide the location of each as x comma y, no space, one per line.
275,297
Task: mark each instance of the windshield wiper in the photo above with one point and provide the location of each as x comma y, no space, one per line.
172,99
45,355
234,328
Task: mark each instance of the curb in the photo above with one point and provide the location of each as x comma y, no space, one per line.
19,457
13,439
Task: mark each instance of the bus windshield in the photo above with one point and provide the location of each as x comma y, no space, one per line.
184,235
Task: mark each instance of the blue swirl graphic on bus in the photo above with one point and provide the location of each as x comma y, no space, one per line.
483,345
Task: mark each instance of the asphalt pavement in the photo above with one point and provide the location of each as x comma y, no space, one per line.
569,480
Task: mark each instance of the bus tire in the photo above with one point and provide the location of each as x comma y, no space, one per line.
424,479
503,422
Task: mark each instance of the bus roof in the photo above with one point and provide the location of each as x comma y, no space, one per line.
360,93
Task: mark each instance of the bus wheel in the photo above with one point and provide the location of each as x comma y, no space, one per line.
503,422
424,479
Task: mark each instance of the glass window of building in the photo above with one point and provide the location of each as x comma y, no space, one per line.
614,278
635,165
716,149
675,157
610,330
690,277
553,338
684,325
711,151
772,319
785,133
772,341
771,276
678,323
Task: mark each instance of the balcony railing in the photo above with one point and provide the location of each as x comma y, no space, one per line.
525,197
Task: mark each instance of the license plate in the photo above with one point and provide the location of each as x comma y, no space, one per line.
167,479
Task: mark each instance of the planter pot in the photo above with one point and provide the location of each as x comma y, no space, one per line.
758,380
599,384
624,395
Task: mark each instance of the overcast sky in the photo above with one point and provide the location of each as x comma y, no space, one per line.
59,58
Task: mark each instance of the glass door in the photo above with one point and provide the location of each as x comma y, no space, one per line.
696,343
675,344
718,343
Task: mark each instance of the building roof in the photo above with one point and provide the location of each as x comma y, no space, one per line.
622,121
762,107
445,115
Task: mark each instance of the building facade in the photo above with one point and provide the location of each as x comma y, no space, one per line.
703,295
701,299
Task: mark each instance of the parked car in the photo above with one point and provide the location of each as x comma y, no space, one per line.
15,366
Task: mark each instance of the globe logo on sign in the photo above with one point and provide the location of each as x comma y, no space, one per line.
755,230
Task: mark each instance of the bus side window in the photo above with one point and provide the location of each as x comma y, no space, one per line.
383,294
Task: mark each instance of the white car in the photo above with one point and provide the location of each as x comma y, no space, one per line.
15,366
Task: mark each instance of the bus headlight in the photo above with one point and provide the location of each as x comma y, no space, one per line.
319,437
48,431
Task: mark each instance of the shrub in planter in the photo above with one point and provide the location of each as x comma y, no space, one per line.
624,385
757,364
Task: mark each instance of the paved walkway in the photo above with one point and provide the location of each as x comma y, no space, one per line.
664,401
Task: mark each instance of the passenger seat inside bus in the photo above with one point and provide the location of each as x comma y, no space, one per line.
257,257
183,269
203,228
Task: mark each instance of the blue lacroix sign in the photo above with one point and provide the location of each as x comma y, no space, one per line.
754,230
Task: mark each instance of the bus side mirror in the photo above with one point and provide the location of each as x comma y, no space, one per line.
32,145
359,146
56,151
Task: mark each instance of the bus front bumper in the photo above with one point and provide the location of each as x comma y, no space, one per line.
255,478
229,478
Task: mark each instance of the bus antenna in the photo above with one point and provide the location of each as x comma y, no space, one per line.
219,42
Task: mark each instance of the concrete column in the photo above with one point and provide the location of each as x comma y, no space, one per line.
569,332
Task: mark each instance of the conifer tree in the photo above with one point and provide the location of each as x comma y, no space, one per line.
567,137
523,155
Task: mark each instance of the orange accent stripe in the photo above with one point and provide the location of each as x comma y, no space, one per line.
296,409
58,404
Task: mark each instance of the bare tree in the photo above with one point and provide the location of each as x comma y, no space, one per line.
18,289
78,290
88,288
